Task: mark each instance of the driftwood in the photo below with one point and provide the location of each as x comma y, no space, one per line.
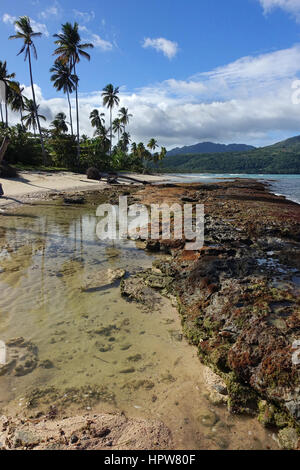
3,147
113,178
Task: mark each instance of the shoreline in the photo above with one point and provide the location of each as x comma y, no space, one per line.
214,198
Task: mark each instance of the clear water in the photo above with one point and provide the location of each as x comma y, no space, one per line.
135,357
285,185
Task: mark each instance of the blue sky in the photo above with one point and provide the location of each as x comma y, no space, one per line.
189,71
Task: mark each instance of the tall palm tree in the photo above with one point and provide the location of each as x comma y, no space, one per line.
59,124
97,119
117,127
33,117
64,79
69,51
26,33
110,99
16,100
124,117
6,78
152,144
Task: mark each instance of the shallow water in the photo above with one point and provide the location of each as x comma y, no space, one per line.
135,359
284,185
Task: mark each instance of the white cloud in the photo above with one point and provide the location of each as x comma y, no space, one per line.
86,17
247,101
37,27
8,19
95,39
167,47
51,11
291,6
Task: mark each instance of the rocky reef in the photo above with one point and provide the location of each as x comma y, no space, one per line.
238,296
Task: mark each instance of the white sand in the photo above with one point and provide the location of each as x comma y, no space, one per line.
31,183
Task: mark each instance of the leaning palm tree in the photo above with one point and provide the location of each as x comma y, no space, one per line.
59,124
110,99
6,78
69,51
26,33
32,118
124,117
64,79
16,99
97,119
117,127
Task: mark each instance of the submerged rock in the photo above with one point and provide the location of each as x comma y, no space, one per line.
102,279
21,357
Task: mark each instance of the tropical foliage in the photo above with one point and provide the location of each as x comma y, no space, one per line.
59,144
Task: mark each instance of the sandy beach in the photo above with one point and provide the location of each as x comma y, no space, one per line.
33,184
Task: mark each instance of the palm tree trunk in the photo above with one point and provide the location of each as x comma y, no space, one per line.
21,115
70,112
3,147
6,110
36,113
77,115
110,131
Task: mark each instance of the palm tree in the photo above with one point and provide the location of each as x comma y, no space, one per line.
134,148
124,141
110,99
16,99
152,144
124,117
117,127
32,118
6,78
103,132
97,119
25,32
59,124
69,51
64,79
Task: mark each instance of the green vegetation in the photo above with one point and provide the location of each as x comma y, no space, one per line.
281,158
28,145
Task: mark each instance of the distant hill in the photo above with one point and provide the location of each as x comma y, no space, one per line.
209,147
282,157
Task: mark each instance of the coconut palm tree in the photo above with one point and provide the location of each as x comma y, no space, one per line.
64,79
26,33
69,51
117,127
110,99
124,141
152,144
97,119
102,132
32,117
59,124
6,78
16,100
124,117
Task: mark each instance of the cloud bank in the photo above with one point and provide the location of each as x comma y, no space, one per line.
249,101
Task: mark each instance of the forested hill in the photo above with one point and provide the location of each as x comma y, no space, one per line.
282,157
209,147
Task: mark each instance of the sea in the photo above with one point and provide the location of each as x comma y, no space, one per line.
283,185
